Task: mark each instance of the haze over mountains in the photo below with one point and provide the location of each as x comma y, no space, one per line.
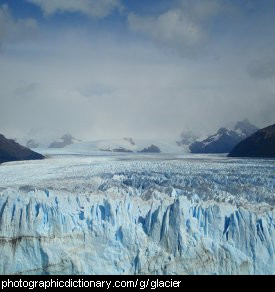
64,141
44,138
223,141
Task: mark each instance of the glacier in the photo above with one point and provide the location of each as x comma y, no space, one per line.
137,214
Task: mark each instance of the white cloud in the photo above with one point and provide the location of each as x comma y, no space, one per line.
183,28
92,8
172,28
15,29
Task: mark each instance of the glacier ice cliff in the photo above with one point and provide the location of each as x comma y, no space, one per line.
47,232
136,222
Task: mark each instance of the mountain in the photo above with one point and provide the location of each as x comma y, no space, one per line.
12,151
64,141
225,139
221,142
260,144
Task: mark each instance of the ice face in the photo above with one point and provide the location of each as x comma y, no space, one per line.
137,215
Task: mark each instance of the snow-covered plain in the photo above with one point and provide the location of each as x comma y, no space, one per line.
137,214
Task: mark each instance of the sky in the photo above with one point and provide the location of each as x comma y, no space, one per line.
135,68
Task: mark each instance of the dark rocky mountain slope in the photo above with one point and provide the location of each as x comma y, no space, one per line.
260,144
12,151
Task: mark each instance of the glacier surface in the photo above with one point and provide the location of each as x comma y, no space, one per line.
137,214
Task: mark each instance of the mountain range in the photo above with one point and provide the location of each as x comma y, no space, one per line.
223,141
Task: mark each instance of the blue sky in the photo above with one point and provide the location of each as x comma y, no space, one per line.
115,68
